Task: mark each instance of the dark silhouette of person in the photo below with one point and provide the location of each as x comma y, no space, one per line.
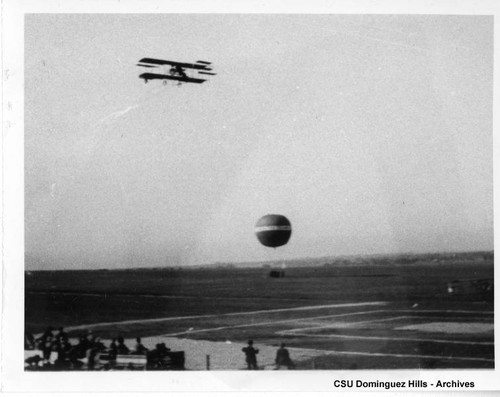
99,345
139,347
157,358
91,355
178,70
113,349
48,332
29,341
80,350
63,361
283,358
62,335
47,347
122,348
94,350
41,341
77,352
251,355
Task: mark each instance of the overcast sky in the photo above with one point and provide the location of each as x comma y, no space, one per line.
372,134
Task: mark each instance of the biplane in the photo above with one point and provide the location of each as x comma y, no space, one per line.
176,70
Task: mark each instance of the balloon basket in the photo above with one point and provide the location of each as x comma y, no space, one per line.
277,273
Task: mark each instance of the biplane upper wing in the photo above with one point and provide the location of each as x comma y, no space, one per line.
202,66
157,76
147,66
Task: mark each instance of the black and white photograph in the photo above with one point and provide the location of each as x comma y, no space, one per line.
270,196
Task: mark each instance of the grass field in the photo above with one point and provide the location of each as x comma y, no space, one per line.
385,313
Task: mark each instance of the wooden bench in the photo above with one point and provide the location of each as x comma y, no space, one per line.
130,361
170,361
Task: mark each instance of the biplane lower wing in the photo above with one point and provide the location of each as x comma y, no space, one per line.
157,76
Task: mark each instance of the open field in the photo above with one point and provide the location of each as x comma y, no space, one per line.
385,315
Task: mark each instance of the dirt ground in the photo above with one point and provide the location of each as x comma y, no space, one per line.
224,355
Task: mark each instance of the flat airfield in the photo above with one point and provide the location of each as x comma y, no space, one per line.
371,313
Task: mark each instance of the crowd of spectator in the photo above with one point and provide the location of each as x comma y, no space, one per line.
55,351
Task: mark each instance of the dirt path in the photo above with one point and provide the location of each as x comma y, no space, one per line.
153,320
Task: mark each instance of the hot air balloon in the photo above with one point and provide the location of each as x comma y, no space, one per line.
273,230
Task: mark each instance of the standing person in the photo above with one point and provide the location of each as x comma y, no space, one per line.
139,347
113,350
47,348
283,358
251,355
